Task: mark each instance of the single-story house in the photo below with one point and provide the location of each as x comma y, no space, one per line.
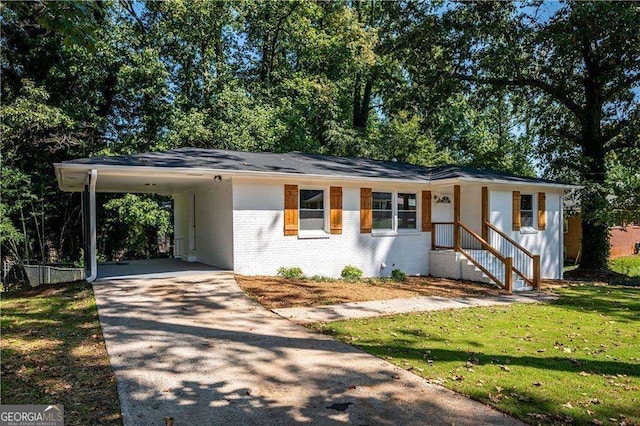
256,212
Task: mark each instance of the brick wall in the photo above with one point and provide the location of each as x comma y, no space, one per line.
623,240
260,246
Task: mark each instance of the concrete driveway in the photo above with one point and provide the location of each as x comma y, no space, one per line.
195,348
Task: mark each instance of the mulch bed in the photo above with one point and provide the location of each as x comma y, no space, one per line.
276,292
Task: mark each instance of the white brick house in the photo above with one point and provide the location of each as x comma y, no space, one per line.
255,212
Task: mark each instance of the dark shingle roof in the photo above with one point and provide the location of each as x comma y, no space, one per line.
298,163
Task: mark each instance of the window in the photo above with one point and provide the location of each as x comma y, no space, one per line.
407,212
393,211
312,209
526,210
382,210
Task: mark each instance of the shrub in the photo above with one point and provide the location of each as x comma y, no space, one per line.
398,275
322,278
351,273
293,273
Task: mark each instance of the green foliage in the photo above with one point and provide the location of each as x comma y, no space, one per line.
577,102
293,273
351,273
412,81
398,275
559,363
145,220
322,279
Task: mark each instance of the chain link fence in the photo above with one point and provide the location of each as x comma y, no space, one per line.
33,275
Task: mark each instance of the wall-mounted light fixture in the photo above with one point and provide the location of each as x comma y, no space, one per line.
443,199
217,178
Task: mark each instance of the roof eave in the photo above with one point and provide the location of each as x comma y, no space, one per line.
250,173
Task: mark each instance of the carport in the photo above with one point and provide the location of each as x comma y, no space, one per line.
152,269
203,211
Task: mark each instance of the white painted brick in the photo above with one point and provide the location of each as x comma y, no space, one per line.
260,246
445,264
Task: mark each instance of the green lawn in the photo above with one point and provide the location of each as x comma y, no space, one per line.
576,360
53,353
628,265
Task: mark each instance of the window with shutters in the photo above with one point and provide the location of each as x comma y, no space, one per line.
382,208
526,210
312,210
394,211
407,211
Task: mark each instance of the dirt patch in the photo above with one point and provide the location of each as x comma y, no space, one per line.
276,292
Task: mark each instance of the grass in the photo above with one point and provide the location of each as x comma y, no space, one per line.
53,352
628,265
576,360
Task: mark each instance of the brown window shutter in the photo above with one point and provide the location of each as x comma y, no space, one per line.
335,199
291,210
515,210
542,211
366,214
426,211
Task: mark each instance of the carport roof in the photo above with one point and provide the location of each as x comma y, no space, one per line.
296,163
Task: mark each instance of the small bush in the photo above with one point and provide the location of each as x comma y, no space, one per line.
398,275
351,273
322,278
293,273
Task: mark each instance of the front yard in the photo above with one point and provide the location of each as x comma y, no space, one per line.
576,360
53,353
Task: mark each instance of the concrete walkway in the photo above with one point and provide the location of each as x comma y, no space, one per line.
376,308
197,349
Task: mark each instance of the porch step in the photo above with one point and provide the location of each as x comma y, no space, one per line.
451,264
471,272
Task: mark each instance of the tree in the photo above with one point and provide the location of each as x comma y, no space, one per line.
579,65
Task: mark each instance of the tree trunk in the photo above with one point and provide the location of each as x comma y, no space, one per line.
362,104
595,229
356,100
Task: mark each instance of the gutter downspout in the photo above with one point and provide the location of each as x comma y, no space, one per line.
93,177
561,236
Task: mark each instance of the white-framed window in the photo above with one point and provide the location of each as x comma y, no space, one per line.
382,210
394,211
407,210
312,210
526,211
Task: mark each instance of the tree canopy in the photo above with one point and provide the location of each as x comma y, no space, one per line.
527,88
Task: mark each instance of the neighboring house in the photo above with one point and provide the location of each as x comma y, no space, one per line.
624,236
255,212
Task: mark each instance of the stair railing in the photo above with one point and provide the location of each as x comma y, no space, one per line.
486,258
525,264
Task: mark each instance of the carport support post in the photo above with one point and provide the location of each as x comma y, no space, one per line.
93,259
